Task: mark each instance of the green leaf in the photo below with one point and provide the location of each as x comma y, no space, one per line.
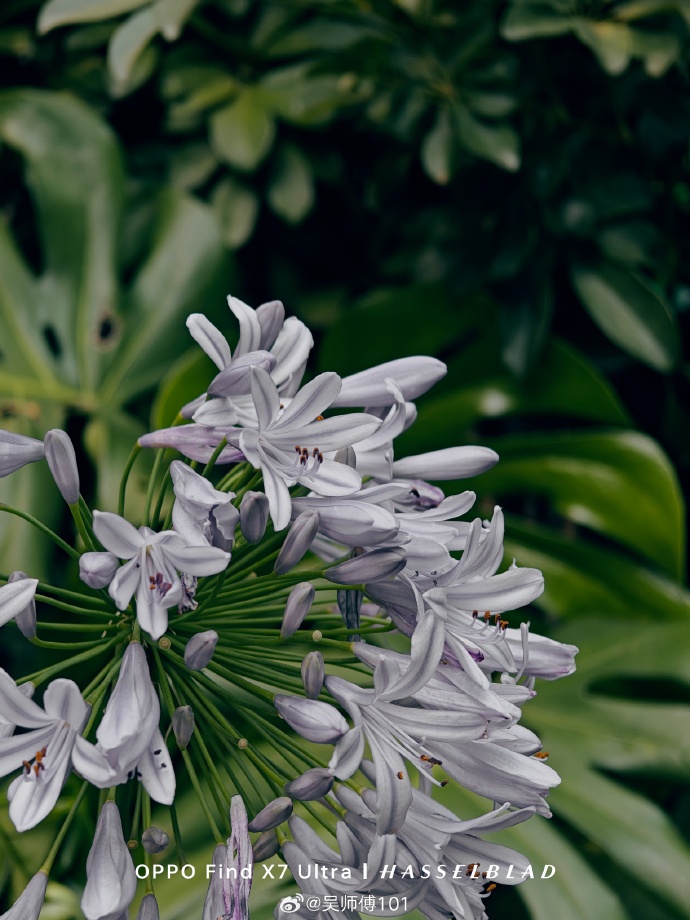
297,96
612,42
497,143
237,208
523,21
78,233
242,133
525,327
64,12
291,189
437,150
587,731
183,270
127,44
636,242
633,316
582,578
620,484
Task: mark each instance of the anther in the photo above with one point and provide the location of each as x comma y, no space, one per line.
542,755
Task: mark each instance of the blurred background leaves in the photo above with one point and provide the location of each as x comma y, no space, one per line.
505,185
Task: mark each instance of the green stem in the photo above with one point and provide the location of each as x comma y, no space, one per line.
50,858
40,676
157,464
136,450
42,527
214,456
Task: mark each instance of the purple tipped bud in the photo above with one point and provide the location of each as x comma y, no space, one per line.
347,456
300,537
312,719
272,815
183,725
265,846
199,650
253,516
97,570
298,604
148,909
312,674
26,618
63,464
155,840
373,566
16,450
312,785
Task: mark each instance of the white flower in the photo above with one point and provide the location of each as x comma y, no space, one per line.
110,877
290,442
152,569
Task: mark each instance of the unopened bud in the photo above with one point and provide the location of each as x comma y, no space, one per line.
199,650
316,721
298,605
148,909
298,540
97,570
350,606
347,456
312,674
183,725
265,846
312,785
63,464
373,566
16,450
26,618
272,815
253,516
155,840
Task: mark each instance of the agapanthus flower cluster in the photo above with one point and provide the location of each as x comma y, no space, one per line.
296,625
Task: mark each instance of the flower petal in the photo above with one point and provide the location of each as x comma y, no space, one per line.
310,401
450,463
116,534
265,397
414,375
211,339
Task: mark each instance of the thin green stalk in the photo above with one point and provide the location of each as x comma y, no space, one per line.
177,835
50,858
157,464
81,526
46,673
136,450
146,818
80,611
214,456
42,527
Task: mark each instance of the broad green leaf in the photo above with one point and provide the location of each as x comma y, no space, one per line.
437,150
612,42
64,12
658,50
192,166
242,133
583,578
183,270
633,316
78,232
620,484
237,208
635,242
291,188
563,384
186,379
524,21
297,96
127,44
588,731
497,143
525,328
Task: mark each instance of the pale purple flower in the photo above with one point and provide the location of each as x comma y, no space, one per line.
290,442
16,450
297,607
152,568
449,463
28,905
253,516
17,603
299,538
313,674
97,570
312,785
275,813
62,461
110,877
148,909
228,890
312,719
154,840
198,442
413,376
202,515
199,650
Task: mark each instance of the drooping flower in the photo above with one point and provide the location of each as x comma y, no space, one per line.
17,602
16,450
62,461
231,880
30,902
154,560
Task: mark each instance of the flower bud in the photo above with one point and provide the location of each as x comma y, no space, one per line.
16,450
298,540
347,456
373,566
298,605
25,618
253,516
30,902
312,719
155,840
350,606
312,785
199,649
97,570
63,464
110,877
183,726
312,674
272,815
265,846
148,909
